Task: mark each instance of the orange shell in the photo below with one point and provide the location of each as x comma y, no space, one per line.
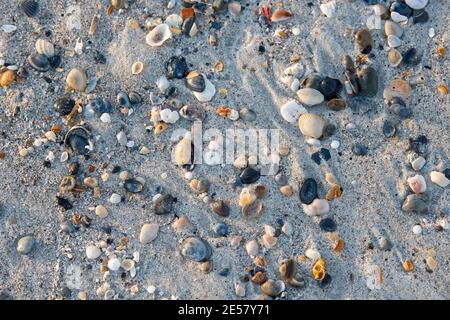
281,15
7,78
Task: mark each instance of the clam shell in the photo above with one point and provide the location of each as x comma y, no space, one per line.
397,88
395,58
234,8
182,152
394,41
133,185
249,175
7,78
77,139
149,232
296,70
207,94
364,41
337,104
45,47
220,208
273,288
39,62
195,81
312,81
29,7
158,35
392,28
123,100
64,105
291,111
311,125
135,97
77,79
137,67
367,79
196,249
310,97
439,178
162,204
417,4
281,15
348,64
330,88
252,248
127,264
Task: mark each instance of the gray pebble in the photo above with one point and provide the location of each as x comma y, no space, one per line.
25,245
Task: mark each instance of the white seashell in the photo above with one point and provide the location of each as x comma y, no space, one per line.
296,31
291,111
329,8
311,125
115,198
240,162
8,28
310,97
268,241
182,152
394,41
392,28
208,93
239,289
439,178
431,32
417,229
295,85
163,84
114,264
78,46
395,58
252,248
149,231
77,79
64,156
268,229
121,138
397,17
287,228
105,118
335,144
50,156
212,158
317,207
416,4
174,21
93,252
312,254
169,116
417,184
137,67
295,70
50,135
233,115
45,47
373,22
286,80
374,278
127,264
158,35
418,163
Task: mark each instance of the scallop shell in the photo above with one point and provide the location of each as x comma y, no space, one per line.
317,207
291,111
417,184
77,79
395,58
39,62
281,15
207,94
45,47
397,88
137,67
158,35
273,288
29,7
182,153
310,97
311,125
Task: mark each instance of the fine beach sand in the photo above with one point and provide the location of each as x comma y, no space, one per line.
374,186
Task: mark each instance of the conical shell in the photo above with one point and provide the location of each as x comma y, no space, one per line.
311,125
45,47
158,35
310,96
77,79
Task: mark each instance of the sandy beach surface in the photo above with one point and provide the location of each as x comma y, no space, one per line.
380,246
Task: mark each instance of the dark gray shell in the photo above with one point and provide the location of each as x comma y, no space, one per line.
192,113
249,175
195,82
176,67
29,7
308,191
313,82
133,185
163,204
64,105
367,81
123,100
196,249
99,106
348,64
331,88
220,208
135,97
39,62
364,41
397,106
76,140
187,25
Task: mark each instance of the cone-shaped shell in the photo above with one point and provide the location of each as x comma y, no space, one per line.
158,35
311,125
45,47
77,79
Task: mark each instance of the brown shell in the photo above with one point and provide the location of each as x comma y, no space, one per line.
7,78
281,15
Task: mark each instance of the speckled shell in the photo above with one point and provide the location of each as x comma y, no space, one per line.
311,125
77,79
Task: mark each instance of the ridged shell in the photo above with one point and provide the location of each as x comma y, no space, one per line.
39,62
311,125
310,97
77,79
158,35
137,67
45,47
30,7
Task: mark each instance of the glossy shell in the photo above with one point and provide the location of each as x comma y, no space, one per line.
176,67
64,105
29,7
39,62
310,97
195,81
308,191
330,88
249,175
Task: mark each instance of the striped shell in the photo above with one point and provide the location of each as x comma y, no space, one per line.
45,47
29,7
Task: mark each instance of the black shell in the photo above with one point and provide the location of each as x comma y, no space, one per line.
388,129
330,88
100,106
327,225
249,175
308,191
135,97
401,8
77,139
187,25
195,81
176,67
30,7
64,105
312,82
411,57
55,61
39,62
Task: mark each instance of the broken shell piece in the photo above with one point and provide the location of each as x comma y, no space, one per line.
318,270
439,178
273,288
158,35
182,154
417,184
252,248
269,241
291,111
281,15
45,47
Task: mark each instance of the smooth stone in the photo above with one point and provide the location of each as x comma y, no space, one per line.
417,4
401,110
25,245
93,252
196,249
416,203
417,229
417,184
418,163
149,232
359,149
327,225
439,178
221,229
291,111
388,129
308,191
114,264
419,145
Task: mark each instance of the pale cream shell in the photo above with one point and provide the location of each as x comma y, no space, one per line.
310,96
137,67
182,153
77,79
311,125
